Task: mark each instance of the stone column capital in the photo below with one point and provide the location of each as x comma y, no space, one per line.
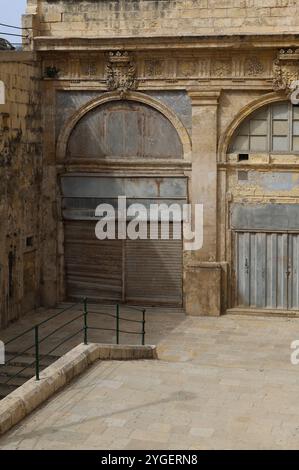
204,97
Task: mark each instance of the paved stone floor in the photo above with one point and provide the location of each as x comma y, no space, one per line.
220,383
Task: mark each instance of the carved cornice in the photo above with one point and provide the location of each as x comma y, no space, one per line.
286,70
118,70
216,42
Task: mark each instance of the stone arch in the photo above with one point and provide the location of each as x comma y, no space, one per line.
245,112
131,96
2,93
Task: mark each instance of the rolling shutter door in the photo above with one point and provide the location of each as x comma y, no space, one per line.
93,267
153,272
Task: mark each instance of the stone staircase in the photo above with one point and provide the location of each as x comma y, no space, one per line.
15,366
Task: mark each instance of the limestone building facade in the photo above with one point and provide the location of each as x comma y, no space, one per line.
185,101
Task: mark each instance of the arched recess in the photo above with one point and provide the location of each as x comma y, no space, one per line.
119,270
259,228
69,126
245,112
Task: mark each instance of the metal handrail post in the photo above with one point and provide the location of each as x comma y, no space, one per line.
85,321
143,327
117,323
36,335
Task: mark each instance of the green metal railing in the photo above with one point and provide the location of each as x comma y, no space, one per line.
118,318
86,328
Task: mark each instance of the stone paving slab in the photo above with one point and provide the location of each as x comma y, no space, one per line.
220,383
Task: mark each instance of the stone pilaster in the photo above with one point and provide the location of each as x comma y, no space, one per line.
203,275
204,166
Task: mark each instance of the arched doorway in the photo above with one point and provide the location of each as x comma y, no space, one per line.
264,213
126,143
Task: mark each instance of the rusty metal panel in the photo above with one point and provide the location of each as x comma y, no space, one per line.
154,272
272,217
124,129
82,194
93,267
132,187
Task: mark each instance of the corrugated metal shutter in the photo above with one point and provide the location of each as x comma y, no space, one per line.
267,268
153,271
93,267
293,290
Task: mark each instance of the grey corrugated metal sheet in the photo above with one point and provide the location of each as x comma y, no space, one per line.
267,268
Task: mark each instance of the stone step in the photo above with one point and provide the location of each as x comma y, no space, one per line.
13,370
6,389
27,359
15,381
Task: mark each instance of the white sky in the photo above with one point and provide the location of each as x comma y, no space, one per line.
10,13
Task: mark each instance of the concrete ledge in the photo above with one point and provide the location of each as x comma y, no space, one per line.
29,396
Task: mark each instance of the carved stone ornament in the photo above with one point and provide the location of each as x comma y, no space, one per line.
221,68
121,73
253,67
286,70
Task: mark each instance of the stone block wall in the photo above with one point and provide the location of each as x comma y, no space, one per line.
20,185
116,18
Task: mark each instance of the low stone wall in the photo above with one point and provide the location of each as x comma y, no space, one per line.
29,396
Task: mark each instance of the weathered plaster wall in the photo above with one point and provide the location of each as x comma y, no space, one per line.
164,17
21,230
264,185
